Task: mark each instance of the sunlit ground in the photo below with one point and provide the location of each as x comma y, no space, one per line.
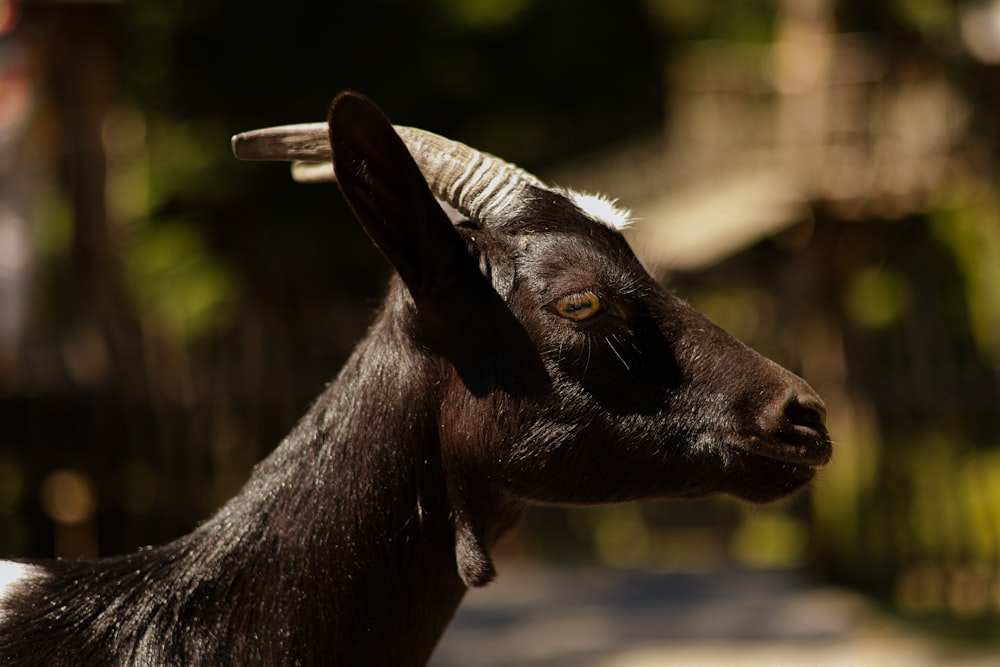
613,618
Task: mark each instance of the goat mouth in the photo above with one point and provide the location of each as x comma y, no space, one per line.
806,447
762,479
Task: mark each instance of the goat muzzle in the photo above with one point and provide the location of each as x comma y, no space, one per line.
793,429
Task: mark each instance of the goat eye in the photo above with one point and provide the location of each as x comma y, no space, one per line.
580,306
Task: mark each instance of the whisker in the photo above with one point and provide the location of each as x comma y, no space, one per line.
615,350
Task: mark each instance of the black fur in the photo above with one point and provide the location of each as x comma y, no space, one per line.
470,398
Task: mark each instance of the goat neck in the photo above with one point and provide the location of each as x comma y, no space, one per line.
339,550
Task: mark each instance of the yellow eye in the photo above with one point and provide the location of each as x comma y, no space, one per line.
580,306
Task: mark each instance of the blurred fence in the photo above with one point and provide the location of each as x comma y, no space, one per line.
826,192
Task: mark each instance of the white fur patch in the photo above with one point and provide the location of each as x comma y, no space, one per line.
13,575
602,209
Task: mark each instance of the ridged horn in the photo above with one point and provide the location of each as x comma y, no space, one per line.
479,185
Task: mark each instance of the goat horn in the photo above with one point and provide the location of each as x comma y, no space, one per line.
479,185
284,143
305,171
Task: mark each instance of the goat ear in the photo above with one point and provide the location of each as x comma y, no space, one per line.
391,198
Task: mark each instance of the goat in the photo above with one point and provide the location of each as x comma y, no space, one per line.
522,355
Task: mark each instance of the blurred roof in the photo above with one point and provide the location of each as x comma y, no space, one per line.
759,133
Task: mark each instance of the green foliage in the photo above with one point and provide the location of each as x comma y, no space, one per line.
737,21
52,224
483,14
771,539
972,231
189,159
877,297
180,287
928,16
12,484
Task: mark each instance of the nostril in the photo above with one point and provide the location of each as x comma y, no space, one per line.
806,410
792,428
804,429
790,425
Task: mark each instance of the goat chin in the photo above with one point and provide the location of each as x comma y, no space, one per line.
522,355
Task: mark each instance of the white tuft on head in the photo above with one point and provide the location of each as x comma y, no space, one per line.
13,576
602,209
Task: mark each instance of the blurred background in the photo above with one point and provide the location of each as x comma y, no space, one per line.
818,176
